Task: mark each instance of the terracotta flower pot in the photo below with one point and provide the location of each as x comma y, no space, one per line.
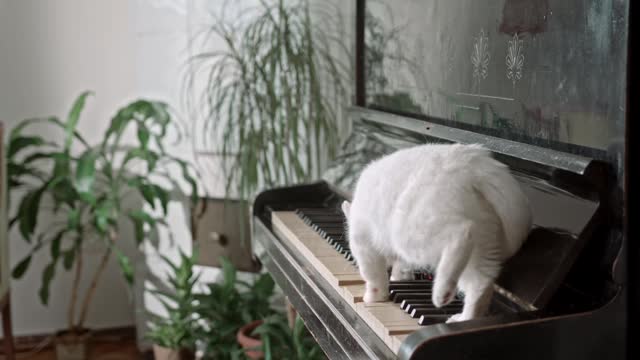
163,353
72,345
247,342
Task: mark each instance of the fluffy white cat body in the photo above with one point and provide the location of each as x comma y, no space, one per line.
449,207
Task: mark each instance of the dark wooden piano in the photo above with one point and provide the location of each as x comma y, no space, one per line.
542,84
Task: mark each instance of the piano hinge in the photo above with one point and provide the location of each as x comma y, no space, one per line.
515,299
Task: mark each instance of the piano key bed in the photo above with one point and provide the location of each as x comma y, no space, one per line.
319,235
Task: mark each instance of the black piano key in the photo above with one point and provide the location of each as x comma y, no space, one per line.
449,309
402,283
409,304
326,218
409,288
433,319
334,226
318,210
329,223
336,235
332,232
410,296
431,313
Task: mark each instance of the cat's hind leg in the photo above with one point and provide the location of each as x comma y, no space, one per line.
453,260
372,266
477,298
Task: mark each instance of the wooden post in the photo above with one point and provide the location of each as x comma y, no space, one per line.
9,348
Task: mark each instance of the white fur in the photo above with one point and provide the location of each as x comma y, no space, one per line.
450,207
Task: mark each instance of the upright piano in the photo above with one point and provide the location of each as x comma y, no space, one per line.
539,83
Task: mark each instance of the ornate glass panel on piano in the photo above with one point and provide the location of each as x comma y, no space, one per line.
541,83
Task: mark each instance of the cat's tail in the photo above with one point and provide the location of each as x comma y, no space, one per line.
504,194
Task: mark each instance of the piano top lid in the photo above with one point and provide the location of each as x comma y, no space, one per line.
564,191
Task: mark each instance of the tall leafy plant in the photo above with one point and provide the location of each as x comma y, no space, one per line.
85,191
271,95
178,329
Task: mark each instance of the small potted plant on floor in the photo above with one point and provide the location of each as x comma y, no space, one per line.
174,335
228,305
86,192
273,338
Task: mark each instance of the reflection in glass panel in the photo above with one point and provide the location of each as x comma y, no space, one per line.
551,71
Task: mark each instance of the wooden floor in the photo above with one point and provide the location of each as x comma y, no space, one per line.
101,349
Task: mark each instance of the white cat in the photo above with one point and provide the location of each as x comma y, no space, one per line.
451,207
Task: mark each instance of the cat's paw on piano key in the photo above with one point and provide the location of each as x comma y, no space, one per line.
375,294
443,294
456,318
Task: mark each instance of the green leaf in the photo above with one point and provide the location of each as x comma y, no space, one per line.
151,157
104,216
125,267
148,193
63,191
263,287
68,258
228,272
85,173
61,165
21,268
118,124
72,119
15,132
151,192
55,244
38,156
143,136
16,172
22,142
47,276
163,195
187,176
28,212
73,218
139,219
138,227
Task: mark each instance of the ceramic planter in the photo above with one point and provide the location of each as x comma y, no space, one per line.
163,353
72,345
247,342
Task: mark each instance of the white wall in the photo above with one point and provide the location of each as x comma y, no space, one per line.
122,49
50,51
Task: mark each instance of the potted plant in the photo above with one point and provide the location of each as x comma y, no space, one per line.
228,305
86,190
174,335
273,94
273,338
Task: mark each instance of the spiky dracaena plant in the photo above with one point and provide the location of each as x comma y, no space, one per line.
271,96
87,191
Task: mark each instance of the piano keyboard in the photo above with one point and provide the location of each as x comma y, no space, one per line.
319,234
